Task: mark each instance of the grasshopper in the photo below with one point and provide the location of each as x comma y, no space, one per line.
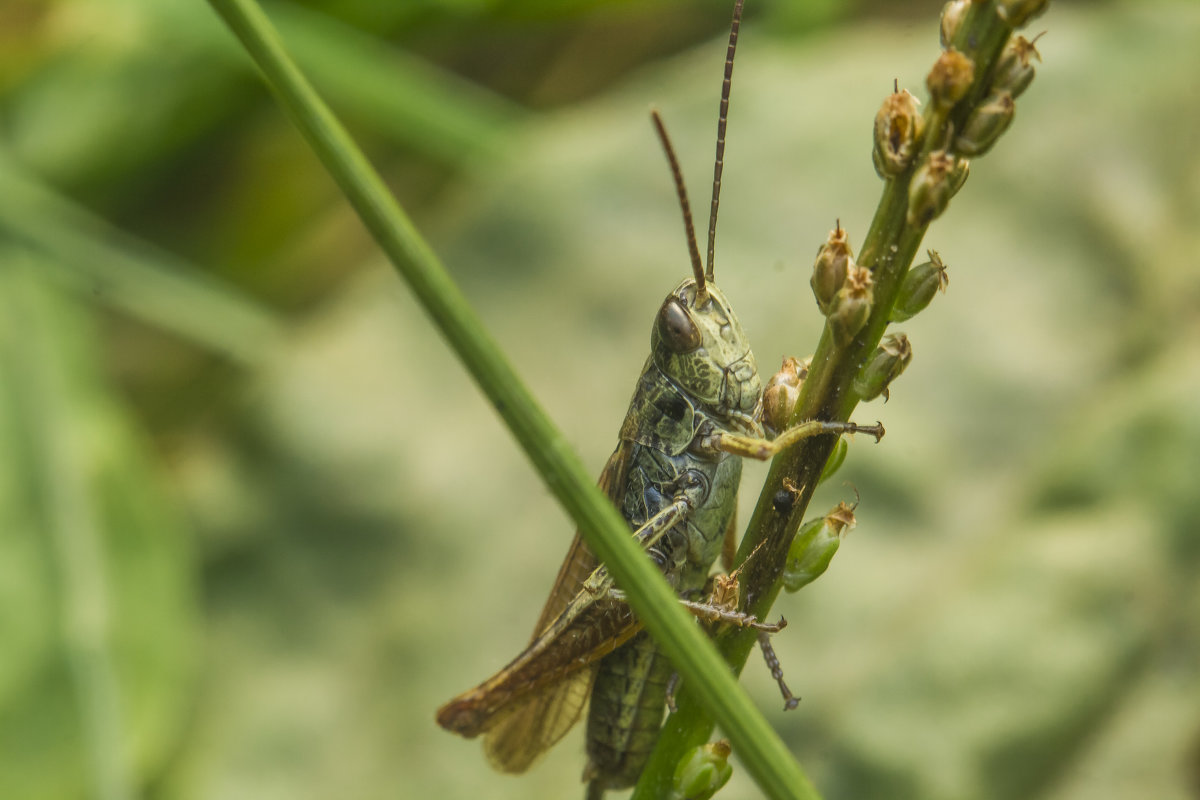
696,410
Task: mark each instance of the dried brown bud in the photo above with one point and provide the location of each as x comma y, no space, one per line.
919,286
829,271
852,307
898,128
888,361
1018,12
782,392
1014,70
936,180
950,78
985,124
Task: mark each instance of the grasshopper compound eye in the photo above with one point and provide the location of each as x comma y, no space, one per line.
676,328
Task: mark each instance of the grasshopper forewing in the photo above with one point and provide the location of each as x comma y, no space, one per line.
696,411
531,703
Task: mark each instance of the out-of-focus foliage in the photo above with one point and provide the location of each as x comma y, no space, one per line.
320,532
97,579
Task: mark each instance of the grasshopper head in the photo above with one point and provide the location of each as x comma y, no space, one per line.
703,349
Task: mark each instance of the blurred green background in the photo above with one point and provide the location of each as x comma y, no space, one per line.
256,524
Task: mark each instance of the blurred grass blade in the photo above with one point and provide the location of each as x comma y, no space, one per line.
130,275
96,593
404,97
73,527
758,746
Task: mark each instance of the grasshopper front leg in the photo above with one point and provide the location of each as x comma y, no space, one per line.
690,490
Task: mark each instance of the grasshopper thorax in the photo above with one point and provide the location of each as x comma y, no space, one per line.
702,348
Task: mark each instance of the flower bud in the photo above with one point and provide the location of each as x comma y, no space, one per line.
888,361
836,459
1014,70
950,78
782,393
829,270
1018,12
958,174
953,14
852,307
703,771
920,285
898,128
938,178
815,544
985,124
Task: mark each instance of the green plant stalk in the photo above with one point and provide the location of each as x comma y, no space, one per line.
761,750
888,250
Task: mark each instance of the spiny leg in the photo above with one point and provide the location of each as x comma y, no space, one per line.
762,449
712,613
790,701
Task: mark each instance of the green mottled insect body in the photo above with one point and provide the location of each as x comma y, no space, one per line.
701,378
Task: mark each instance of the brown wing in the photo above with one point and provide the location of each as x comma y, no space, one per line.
580,562
532,727
530,704
592,626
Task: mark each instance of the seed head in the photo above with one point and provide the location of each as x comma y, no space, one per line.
782,393
918,288
950,78
814,547
1014,70
898,129
936,180
889,360
985,124
829,271
1019,12
852,307
953,14
703,770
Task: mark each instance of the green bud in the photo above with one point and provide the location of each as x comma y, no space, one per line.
953,14
958,174
1014,70
782,392
815,544
898,129
985,124
1018,12
852,307
829,271
836,459
935,181
920,285
703,771
950,78
885,365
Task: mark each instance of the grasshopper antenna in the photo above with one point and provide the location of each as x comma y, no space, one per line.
681,190
721,120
